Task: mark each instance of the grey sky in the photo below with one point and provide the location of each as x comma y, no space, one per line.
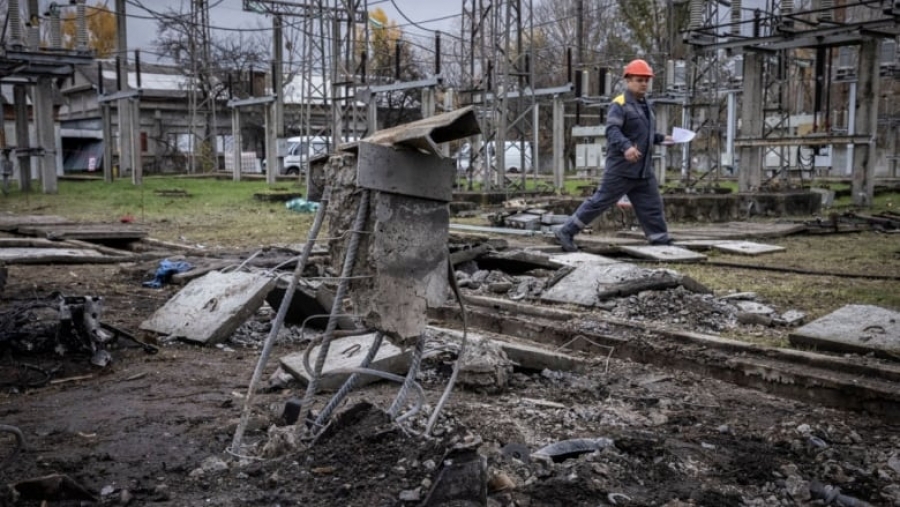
430,14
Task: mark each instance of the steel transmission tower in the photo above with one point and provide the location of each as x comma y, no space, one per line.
333,33
202,102
496,47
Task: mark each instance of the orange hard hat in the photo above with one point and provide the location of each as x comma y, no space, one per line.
638,68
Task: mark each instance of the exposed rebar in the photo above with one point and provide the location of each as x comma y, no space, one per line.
417,407
350,383
276,324
347,269
20,442
460,359
410,377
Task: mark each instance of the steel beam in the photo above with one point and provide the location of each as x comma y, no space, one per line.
254,101
124,94
805,35
801,141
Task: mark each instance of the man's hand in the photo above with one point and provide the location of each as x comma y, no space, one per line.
632,154
669,140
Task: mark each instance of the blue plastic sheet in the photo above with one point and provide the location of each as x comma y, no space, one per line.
301,205
165,271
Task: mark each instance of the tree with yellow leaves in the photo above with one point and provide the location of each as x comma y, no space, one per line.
382,52
101,28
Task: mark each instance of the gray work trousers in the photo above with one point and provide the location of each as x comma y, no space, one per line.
645,199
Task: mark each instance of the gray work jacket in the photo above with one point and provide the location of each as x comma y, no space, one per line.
627,126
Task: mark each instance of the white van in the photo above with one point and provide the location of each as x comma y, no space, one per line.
302,148
512,158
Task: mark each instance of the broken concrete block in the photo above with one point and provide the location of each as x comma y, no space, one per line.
523,355
578,258
590,284
485,366
747,247
853,328
525,221
209,309
753,307
791,318
348,353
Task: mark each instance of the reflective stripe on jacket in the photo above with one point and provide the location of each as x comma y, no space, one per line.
627,126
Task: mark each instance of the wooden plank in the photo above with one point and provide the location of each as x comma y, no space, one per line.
11,223
24,255
85,231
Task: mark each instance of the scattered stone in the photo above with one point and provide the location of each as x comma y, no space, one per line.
753,319
411,495
791,318
754,307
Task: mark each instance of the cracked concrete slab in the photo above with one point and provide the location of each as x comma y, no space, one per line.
663,253
853,328
732,246
587,282
345,353
209,309
575,259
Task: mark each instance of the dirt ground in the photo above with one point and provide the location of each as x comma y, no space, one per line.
153,429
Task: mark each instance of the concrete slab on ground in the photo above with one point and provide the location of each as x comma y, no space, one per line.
853,328
209,309
731,246
578,258
12,255
583,285
663,253
344,353
729,230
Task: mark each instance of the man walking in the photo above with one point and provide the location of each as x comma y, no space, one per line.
630,136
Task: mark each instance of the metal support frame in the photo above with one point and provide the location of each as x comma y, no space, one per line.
23,63
236,105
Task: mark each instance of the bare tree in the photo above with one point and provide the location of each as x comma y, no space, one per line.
228,69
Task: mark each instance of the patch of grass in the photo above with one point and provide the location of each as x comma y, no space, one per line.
866,253
216,212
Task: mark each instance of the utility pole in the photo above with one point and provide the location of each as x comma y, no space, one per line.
23,138
126,141
278,85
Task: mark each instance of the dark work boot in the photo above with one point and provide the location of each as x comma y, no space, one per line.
565,235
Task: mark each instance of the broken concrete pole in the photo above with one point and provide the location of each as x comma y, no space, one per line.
402,258
209,309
